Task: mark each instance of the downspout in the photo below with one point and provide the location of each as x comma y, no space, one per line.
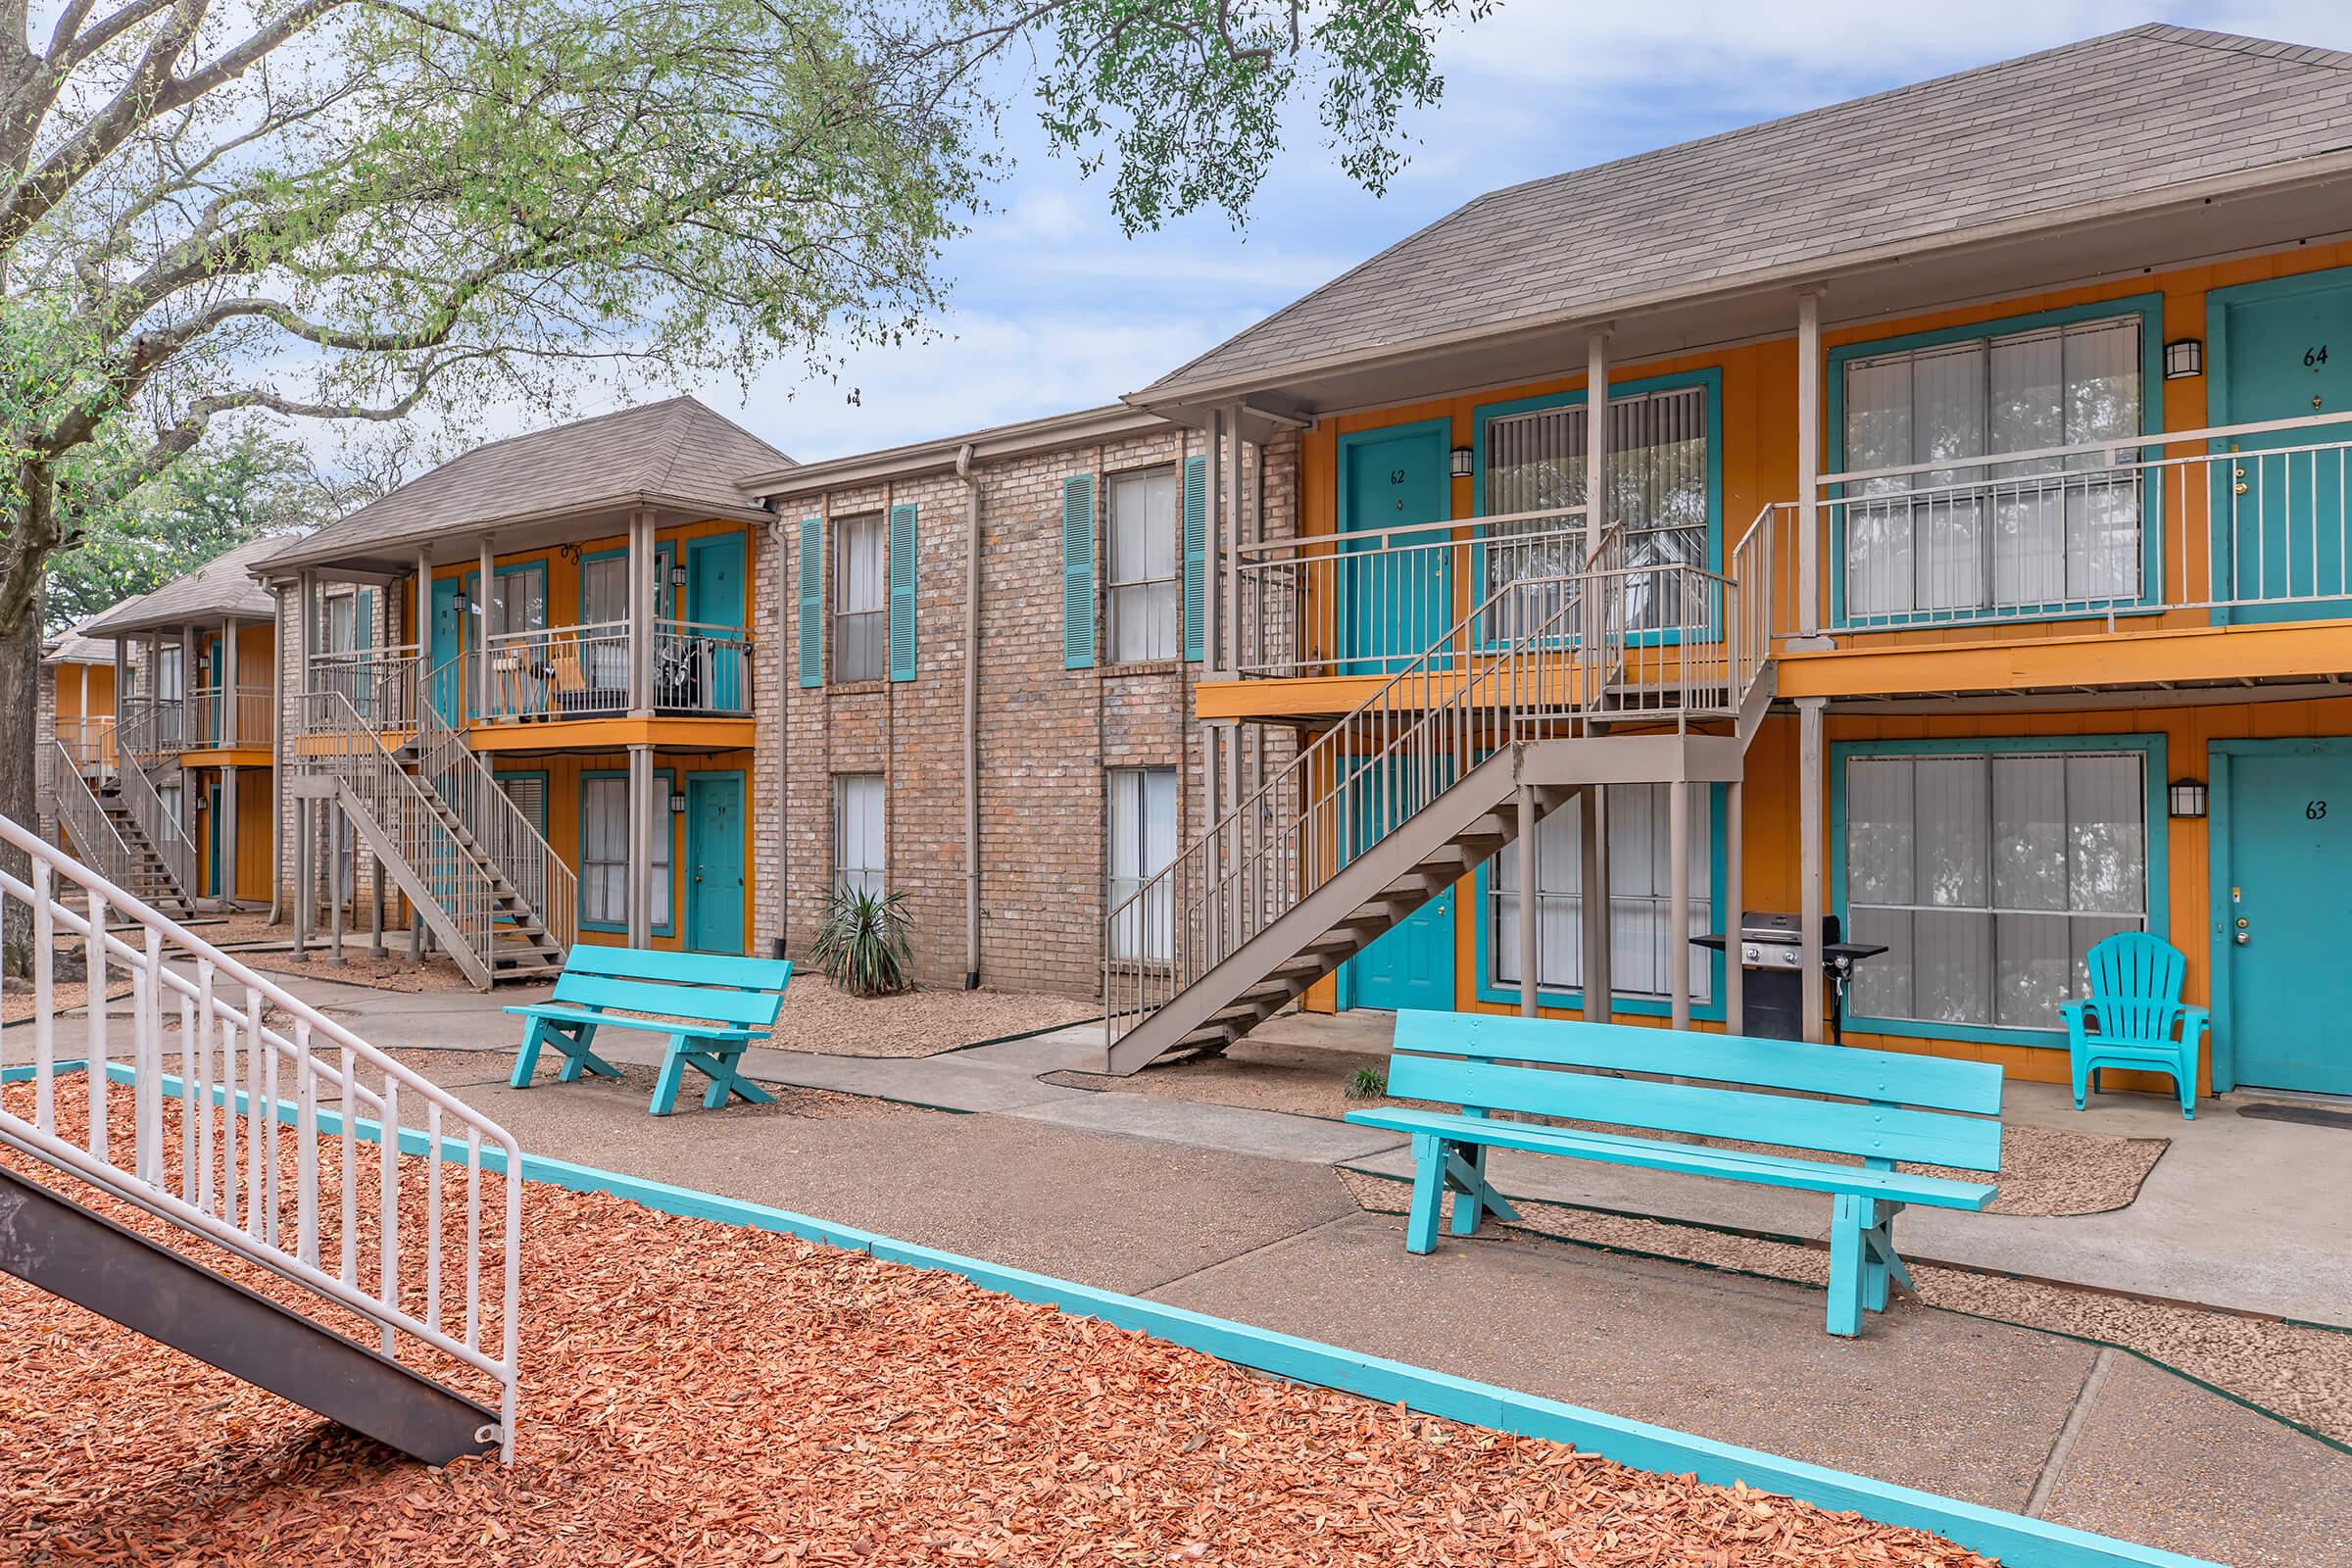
971,717
783,706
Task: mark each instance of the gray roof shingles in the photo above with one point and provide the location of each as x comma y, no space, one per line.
222,587
2124,115
675,449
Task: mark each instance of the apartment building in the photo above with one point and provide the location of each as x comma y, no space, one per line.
1928,512
73,718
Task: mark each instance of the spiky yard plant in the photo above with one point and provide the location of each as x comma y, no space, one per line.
863,946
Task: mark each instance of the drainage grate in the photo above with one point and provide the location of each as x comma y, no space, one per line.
2309,1115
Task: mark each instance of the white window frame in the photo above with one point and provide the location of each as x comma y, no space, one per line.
1144,595
1142,826
1983,898
861,848
860,598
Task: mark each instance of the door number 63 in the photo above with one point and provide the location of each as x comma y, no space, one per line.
2314,811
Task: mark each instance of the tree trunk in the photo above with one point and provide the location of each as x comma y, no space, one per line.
20,710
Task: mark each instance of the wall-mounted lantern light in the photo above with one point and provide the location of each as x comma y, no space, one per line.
2187,797
2182,358
677,804
677,576
1463,456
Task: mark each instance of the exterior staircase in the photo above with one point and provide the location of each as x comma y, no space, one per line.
229,1077
495,896
108,834
1551,686
151,876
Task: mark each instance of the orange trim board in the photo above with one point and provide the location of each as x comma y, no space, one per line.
228,757
2272,650
608,734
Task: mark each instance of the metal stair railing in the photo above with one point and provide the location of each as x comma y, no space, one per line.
439,866
164,832
510,840
85,820
1546,658
246,1064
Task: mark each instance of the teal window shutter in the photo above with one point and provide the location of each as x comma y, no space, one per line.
901,593
1196,557
1078,571
812,600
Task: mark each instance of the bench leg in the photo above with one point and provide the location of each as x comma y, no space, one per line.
1474,1197
674,1067
1429,1186
1846,1265
570,1039
1881,1267
726,1079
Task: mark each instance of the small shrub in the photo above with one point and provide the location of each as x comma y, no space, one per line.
1365,1084
864,943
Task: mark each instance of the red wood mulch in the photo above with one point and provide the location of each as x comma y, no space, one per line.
699,1394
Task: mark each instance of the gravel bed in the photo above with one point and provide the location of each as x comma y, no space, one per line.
697,1392
2045,1171
2303,1374
391,972
16,1007
818,1016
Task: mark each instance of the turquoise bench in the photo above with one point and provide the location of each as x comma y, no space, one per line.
1890,1108
2133,1017
711,1008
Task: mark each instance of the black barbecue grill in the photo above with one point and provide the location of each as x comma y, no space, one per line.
1772,951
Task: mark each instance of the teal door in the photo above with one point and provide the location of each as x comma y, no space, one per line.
714,863
1411,963
2281,548
2286,903
211,812
1389,603
714,599
448,640
214,664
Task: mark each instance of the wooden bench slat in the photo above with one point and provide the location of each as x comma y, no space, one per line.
1772,1170
679,969
1928,1082
658,1026
677,1002
1926,1137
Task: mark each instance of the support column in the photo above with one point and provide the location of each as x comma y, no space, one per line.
1727,918
1678,901
303,805
1809,772
277,756
226,836
1229,618
1529,948
1597,437
375,908
1217,609
1808,463
1594,830
337,894
487,566
422,634
641,847
226,676
642,562
1211,808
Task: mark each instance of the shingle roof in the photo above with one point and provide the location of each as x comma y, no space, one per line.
222,587
74,647
675,452
2122,115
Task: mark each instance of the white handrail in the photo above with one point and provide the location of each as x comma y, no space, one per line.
232,1065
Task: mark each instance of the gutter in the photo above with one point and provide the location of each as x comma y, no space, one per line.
278,751
971,717
917,459
776,525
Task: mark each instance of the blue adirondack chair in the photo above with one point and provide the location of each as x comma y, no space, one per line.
2133,1016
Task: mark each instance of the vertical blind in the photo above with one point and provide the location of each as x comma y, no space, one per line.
1142,567
2013,535
1988,877
605,849
859,856
1641,946
859,608
1143,841
1658,487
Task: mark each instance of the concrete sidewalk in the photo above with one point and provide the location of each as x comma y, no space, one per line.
2009,1417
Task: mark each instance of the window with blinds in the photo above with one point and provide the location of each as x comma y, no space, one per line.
1945,543
1658,469
1988,876
1641,946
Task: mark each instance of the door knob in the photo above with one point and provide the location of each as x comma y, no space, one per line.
2238,489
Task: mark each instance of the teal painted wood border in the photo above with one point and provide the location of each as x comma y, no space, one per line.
2217,404
1494,991
2158,845
667,923
2016,1541
2149,308
2220,801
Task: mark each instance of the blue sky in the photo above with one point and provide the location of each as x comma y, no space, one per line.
1053,308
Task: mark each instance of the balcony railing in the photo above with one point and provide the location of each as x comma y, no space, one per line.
88,743
378,684
583,672
2252,522
1372,601
149,729
242,716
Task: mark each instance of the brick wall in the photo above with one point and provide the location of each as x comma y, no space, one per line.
1045,733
